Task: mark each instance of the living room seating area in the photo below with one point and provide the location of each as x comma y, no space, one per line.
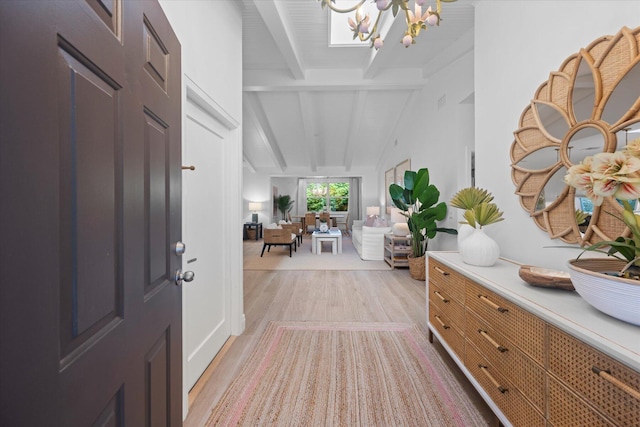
369,239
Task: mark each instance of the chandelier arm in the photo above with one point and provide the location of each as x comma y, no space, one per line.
335,9
374,29
408,21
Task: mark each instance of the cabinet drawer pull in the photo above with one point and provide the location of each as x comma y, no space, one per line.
492,304
441,322
486,336
441,271
485,371
606,375
439,295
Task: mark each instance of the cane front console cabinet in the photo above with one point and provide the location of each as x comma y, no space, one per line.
539,357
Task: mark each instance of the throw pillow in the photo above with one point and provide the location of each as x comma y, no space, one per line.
380,222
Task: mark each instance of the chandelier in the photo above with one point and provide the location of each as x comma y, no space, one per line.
416,20
319,190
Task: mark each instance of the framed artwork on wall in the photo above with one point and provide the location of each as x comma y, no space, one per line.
274,191
389,177
401,168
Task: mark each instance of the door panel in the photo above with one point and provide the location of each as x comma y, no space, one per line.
207,323
90,294
90,162
156,141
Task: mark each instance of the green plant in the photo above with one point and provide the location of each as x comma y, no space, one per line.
470,197
483,214
418,201
284,204
581,217
478,206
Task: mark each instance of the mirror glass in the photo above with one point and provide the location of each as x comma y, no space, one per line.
584,94
555,187
585,142
628,134
623,97
552,121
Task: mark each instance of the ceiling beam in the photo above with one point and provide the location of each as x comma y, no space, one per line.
379,59
257,115
345,85
248,163
308,124
281,30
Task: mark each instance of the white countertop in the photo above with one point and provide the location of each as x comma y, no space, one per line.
563,309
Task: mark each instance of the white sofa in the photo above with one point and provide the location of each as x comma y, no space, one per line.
369,241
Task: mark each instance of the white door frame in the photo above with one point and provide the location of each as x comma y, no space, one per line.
230,198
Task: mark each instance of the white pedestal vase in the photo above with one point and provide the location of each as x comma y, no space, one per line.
464,231
479,249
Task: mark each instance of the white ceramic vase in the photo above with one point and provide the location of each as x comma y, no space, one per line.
464,231
324,227
479,249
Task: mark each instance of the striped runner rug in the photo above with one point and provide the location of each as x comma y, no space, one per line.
345,374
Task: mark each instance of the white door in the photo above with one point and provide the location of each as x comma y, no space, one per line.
207,300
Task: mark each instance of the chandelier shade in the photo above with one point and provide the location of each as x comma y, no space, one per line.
365,29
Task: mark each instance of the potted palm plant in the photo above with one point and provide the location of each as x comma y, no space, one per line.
284,204
418,201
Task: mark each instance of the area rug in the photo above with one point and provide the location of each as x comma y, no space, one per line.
344,374
278,258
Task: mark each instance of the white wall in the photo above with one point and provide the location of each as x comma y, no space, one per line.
442,138
517,45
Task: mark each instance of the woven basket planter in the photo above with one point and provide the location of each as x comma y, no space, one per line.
417,267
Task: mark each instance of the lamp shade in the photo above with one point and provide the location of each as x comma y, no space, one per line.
396,216
373,210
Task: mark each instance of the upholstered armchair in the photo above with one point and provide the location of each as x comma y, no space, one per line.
279,237
294,228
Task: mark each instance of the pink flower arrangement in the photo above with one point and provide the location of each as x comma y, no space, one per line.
614,175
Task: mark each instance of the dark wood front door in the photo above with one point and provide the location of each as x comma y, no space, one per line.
90,214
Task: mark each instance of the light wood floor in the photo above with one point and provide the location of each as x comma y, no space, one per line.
366,296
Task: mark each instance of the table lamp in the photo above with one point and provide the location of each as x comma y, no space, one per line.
254,206
400,226
373,211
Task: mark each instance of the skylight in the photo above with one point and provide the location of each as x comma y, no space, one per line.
340,34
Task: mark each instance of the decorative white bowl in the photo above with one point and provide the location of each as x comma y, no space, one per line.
615,296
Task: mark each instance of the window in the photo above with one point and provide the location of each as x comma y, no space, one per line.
331,196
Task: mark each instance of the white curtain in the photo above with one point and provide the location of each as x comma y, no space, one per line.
302,196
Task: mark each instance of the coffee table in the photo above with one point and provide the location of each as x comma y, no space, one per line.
333,236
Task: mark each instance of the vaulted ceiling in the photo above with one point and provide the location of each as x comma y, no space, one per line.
312,109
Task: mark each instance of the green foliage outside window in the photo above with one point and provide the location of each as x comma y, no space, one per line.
334,196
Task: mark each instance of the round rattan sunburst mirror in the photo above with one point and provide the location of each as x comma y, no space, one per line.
590,105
